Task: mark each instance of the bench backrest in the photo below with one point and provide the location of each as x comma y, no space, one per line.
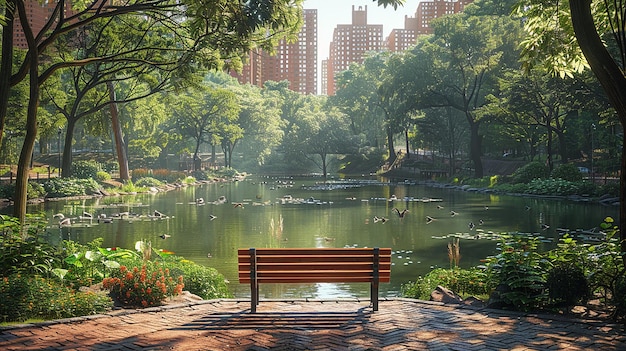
315,265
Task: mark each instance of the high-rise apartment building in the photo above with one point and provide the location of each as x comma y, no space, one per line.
402,39
429,10
350,44
38,13
294,62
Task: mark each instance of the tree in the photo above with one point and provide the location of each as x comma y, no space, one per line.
207,116
598,29
319,133
458,67
209,34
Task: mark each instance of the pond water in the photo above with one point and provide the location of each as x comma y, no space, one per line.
287,212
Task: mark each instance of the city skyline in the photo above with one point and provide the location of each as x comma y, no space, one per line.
332,13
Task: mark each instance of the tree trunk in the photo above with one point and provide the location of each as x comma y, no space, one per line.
406,138
23,165
549,150
612,80
66,166
324,168
562,146
392,151
120,147
6,64
475,150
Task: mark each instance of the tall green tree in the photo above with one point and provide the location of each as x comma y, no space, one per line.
207,116
597,26
209,33
318,134
458,67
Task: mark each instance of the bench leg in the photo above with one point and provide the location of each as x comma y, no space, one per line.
254,296
374,295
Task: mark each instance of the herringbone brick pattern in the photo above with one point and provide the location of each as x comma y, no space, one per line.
400,324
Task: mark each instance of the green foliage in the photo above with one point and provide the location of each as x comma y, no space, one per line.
85,169
205,282
24,250
148,182
567,172
34,191
110,166
552,187
25,297
201,175
530,171
609,189
64,187
145,287
518,270
464,282
102,176
227,172
567,284
89,264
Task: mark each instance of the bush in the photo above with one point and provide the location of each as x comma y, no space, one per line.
552,187
85,169
567,172
102,176
64,187
205,282
201,175
148,182
567,285
110,166
145,287
530,171
29,252
25,297
464,282
141,173
34,191
517,273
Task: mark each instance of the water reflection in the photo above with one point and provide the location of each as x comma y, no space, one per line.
303,213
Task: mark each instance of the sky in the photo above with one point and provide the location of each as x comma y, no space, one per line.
330,13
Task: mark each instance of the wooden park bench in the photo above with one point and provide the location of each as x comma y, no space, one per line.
314,265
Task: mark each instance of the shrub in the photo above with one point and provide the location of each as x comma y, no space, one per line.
26,252
205,282
25,297
200,175
141,172
63,187
34,191
530,171
552,187
464,282
148,182
567,172
102,176
110,166
518,273
567,284
145,287
85,169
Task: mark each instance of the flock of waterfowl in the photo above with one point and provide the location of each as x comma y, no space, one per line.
474,228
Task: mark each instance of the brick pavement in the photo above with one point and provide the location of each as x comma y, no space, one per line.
400,324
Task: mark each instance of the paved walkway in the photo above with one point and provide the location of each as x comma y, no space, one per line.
400,324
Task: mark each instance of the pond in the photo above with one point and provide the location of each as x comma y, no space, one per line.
288,212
